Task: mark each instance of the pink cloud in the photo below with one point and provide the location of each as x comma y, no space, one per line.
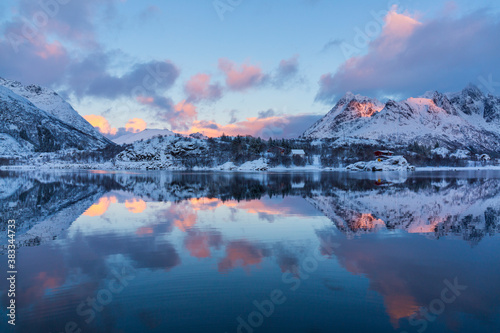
242,78
412,55
199,88
273,126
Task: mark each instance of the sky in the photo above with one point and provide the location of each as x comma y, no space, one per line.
263,68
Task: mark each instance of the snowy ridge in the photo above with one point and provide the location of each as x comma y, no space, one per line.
459,120
49,101
34,129
349,108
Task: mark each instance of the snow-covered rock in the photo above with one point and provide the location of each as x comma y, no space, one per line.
257,165
161,153
394,163
440,151
228,166
484,157
461,154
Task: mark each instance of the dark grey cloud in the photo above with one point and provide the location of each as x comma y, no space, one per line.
287,71
91,78
266,114
74,21
331,43
287,126
199,88
233,119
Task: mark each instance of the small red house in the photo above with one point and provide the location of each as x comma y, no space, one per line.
276,150
383,153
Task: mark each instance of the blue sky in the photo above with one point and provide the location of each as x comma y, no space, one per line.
267,68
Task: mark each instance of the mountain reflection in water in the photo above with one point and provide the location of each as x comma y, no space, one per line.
204,246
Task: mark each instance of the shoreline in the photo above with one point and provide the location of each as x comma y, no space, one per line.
106,168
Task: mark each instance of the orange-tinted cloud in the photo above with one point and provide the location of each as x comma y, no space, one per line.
145,99
380,264
198,243
205,203
182,215
274,126
135,125
135,205
101,124
101,207
261,207
242,78
241,253
412,54
40,283
397,29
144,231
199,88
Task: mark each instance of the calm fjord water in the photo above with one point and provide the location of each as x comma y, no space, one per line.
292,252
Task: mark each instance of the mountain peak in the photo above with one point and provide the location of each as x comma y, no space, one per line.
349,96
473,91
433,117
50,102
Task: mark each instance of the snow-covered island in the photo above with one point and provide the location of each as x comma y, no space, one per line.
385,161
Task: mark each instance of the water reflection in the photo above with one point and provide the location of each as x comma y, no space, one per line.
203,247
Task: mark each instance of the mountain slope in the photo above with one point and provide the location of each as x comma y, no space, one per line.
349,108
461,120
49,101
36,130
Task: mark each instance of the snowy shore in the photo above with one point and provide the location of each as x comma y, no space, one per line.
253,166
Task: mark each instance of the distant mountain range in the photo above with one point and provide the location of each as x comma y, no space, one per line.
37,119
467,119
33,118
130,138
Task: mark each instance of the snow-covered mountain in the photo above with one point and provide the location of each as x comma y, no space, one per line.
456,120
33,118
130,138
